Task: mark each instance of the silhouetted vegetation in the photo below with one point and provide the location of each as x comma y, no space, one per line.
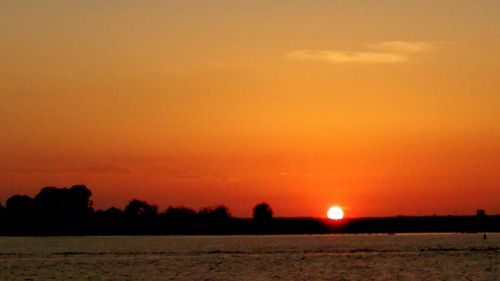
262,212
20,214
69,211
2,217
263,218
63,210
140,217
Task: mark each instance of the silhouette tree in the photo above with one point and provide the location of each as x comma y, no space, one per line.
221,213
204,213
2,219
80,205
20,212
63,209
137,208
262,212
179,214
114,213
213,221
20,206
141,218
111,221
178,220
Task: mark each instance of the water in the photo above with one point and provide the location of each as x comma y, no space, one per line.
304,257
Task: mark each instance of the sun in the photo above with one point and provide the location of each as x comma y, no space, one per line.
335,213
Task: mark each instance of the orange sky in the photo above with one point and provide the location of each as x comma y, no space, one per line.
381,107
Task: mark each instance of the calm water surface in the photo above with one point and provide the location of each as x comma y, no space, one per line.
301,257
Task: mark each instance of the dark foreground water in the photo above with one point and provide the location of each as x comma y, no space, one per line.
305,257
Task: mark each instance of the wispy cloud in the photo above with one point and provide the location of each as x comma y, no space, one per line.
68,170
383,52
344,57
405,47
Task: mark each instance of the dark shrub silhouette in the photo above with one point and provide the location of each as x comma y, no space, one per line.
138,208
220,213
212,221
111,221
141,218
114,213
179,220
20,213
179,214
20,206
2,219
263,219
63,210
262,212
79,201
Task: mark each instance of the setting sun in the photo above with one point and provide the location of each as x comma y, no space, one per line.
335,213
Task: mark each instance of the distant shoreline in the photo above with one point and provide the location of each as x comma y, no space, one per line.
69,212
305,226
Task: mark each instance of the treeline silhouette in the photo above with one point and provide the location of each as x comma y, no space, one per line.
69,211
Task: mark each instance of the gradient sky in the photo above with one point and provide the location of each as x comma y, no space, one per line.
381,107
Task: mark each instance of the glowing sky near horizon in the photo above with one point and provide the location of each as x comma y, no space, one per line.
381,107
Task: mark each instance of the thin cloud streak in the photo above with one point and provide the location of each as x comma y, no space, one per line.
68,170
405,46
384,52
345,57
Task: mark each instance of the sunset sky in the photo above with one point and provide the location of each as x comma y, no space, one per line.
381,107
